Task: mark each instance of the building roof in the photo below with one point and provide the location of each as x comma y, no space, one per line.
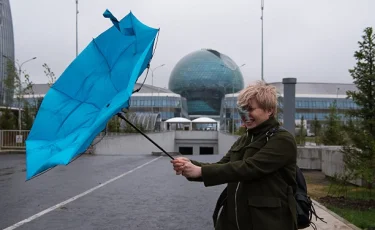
149,88
178,120
204,120
42,89
312,88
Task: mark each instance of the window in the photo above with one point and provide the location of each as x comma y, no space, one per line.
206,150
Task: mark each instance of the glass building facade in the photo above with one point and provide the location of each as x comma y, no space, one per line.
319,107
149,101
166,104
6,48
312,100
203,77
162,104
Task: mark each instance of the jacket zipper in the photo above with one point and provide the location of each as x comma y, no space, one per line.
235,205
235,195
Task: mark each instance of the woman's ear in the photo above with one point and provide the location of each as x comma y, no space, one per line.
270,112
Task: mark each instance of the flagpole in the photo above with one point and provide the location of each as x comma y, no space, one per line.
127,121
262,7
76,28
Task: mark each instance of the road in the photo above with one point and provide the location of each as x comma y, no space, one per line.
104,192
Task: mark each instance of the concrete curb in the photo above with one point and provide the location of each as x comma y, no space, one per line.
335,215
10,151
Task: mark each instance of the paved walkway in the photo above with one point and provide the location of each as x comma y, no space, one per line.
333,220
116,192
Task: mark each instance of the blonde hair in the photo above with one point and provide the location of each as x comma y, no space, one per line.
264,94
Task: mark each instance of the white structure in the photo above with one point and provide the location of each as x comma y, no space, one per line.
178,123
204,123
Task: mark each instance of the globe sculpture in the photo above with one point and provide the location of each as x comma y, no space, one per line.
204,77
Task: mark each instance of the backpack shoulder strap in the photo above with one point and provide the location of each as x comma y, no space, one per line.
274,130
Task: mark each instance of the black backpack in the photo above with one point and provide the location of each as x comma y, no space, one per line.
305,207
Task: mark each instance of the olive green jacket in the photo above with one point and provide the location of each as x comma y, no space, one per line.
260,174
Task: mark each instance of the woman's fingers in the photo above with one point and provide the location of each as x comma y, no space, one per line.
181,164
180,159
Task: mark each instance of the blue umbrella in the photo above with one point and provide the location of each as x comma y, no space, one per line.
93,88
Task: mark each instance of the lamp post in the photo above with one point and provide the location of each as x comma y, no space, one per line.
77,27
262,8
19,85
152,83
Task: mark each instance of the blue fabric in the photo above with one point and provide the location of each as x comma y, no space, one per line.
93,88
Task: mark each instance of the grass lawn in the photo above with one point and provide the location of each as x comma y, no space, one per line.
358,207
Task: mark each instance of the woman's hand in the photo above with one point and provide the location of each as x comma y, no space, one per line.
179,164
191,171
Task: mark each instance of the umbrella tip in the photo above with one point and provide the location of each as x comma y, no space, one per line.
107,13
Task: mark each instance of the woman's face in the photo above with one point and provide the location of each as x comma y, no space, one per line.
255,115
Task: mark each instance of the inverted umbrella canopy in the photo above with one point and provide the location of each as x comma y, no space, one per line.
93,88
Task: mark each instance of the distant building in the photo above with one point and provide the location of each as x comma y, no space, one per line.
6,48
150,99
312,100
204,77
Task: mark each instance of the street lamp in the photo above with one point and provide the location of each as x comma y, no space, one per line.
152,83
261,18
19,85
77,27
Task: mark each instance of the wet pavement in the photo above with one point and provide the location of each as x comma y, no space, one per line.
149,197
110,192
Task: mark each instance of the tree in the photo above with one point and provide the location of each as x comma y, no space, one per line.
359,154
16,88
9,83
302,132
316,126
114,124
333,130
50,75
280,101
27,117
7,118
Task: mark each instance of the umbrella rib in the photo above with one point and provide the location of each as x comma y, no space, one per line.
77,99
109,67
126,50
80,103
68,115
106,61
140,39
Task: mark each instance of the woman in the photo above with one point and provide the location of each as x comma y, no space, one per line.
259,169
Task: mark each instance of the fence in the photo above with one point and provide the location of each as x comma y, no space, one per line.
13,139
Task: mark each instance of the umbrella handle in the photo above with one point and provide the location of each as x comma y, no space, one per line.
124,118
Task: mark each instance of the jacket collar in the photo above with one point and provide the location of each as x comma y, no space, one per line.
263,127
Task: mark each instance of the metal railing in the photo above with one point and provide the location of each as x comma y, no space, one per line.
13,139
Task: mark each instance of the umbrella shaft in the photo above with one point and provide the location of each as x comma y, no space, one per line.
124,118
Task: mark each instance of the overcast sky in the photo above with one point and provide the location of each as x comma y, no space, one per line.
311,40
